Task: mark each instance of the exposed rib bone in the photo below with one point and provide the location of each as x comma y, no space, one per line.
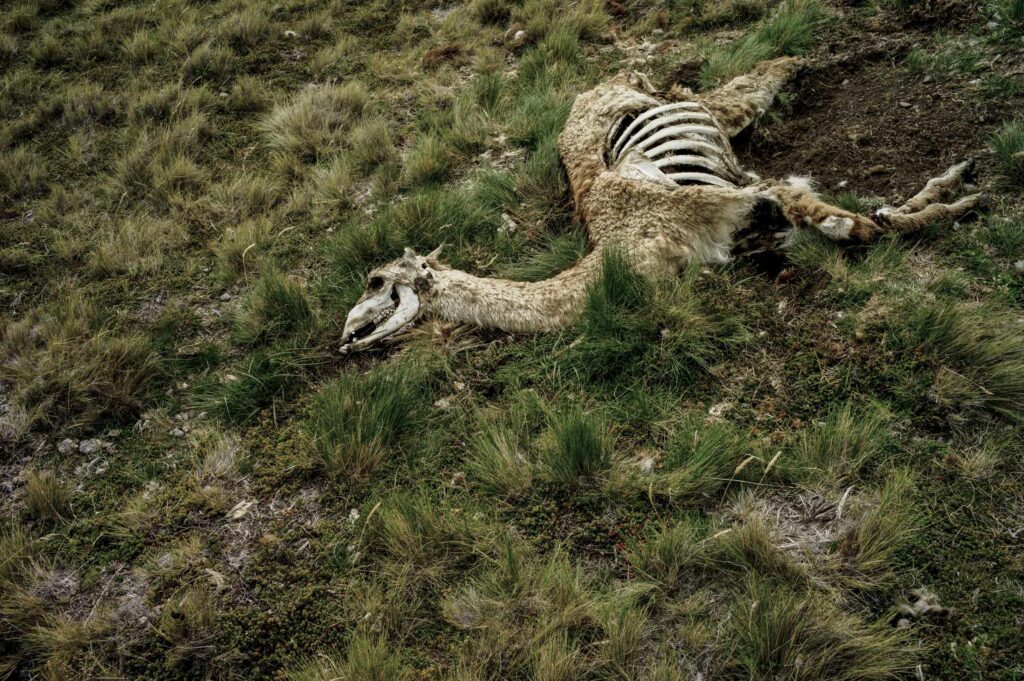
701,161
677,131
661,121
648,114
685,145
701,177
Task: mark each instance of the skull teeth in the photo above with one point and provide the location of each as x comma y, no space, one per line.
385,314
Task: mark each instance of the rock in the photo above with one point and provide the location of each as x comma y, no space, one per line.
90,446
843,185
992,25
66,446
508,225
443,403
1019,265
876,170
225,297
903,623
927,79
905,105
290,34
177,432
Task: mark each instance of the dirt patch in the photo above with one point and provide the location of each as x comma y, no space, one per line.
875,126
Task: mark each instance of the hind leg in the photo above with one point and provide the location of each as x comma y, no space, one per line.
743,99
929,205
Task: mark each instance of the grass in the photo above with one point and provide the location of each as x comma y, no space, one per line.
833,451
358,420
789,30
276,308
580,448
1008,144
192,198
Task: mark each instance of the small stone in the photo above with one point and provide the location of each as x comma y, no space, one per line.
508,225
905,105
443,403
903,623
843,185
876,170
222,94
290,34
992,25
927,79
975,82
67,445
846,81
1019,265
353,515
177,432
90,446
225,297
114,432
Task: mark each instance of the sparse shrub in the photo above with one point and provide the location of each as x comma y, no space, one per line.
833,451
207,63
357,420
22,173
47,498
1009,147
137,246
778,634
580,447
314,122
365,660
275,308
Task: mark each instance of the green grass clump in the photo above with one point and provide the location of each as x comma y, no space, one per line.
137,247
358,420
1008,144
661,331
315,122
833,451
883,528
241,248
701,458
789,30
47,498
365,660
431,161
556,253
500,462
22,173
671,553
752,547
581,447
945,62
66,367
780,634
978,350
276,307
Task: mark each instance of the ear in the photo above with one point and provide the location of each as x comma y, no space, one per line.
431,257
409,255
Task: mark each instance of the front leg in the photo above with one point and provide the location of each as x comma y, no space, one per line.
802,208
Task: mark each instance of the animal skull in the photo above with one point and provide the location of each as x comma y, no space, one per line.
395,297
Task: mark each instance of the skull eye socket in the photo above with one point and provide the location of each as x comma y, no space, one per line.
375,283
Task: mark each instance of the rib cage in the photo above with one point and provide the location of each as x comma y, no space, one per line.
680,141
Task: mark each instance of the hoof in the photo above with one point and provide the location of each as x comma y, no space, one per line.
984,203
970,174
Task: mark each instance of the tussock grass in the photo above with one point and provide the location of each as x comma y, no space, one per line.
752,547
670,553
789,30
580,447
276,308
372,144
241,249
187,624
217,456
338,59
358,420
883,528
208,63
500,462
246,27
1008,144
314,123
138,246
415,531
946,62
834,450
335,186
47,498
365,660
633,328
853,280
431,161
779,634
22,173
978,350
67,367
701,458
557,253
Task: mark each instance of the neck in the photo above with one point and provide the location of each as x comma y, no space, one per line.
515,306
